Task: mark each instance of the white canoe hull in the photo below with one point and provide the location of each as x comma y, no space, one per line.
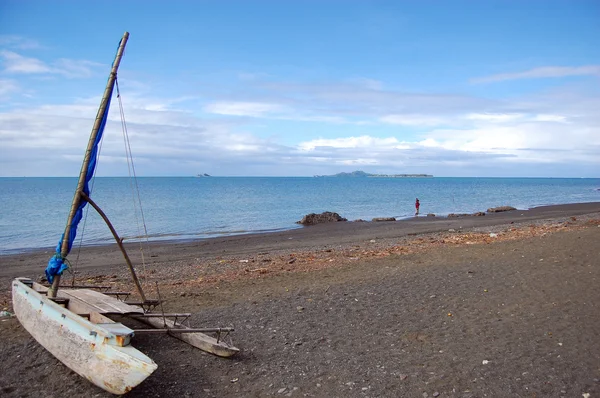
84,347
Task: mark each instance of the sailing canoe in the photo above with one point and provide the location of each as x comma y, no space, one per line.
98,352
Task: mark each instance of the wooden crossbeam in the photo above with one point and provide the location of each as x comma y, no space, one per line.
60,300
186,330
153,315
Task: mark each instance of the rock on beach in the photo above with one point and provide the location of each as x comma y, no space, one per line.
500,209
378,219
327,216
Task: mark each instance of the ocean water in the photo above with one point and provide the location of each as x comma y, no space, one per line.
34,211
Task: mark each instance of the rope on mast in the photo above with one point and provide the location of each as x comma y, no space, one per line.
135,190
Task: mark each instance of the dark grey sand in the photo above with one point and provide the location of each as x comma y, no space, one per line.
425,307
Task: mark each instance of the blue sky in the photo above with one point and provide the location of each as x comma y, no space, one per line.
298,88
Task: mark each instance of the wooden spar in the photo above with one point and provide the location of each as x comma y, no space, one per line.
175,330
86,160
166,315
100,287
119,243
196,339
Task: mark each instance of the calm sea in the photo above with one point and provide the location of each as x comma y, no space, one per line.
34,210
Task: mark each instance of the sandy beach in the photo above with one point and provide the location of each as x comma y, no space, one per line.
501,305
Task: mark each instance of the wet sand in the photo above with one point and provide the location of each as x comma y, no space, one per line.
501,305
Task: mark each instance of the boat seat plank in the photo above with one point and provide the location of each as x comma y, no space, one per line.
101,303
117,328
121,332
60,301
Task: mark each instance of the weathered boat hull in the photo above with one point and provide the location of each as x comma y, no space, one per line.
86,348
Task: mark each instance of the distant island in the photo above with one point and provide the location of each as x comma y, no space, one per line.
363,174
203,175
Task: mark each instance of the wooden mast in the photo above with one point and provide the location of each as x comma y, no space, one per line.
77,198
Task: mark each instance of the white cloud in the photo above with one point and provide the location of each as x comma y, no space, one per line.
163,140
542,72
73,68
458,135
249,76
349,142
15,63
370,84
414,120
20,42
7,87
525,142
495,117
254,109
463,120
19,64
430,143
352,101
550,118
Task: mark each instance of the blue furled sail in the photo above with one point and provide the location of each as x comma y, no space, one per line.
57,263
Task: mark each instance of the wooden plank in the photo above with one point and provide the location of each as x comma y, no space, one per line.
60,301
102,303
122,333
96,317
81,306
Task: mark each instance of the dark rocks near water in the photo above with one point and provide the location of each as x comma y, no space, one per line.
456,215
327,216
376,219
500,209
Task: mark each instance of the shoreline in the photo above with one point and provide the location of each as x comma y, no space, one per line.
305,239
192,234
493,218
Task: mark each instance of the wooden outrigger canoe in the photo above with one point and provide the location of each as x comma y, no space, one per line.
98,351
78,328
76,325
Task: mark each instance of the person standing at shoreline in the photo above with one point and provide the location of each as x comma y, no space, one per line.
417,205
